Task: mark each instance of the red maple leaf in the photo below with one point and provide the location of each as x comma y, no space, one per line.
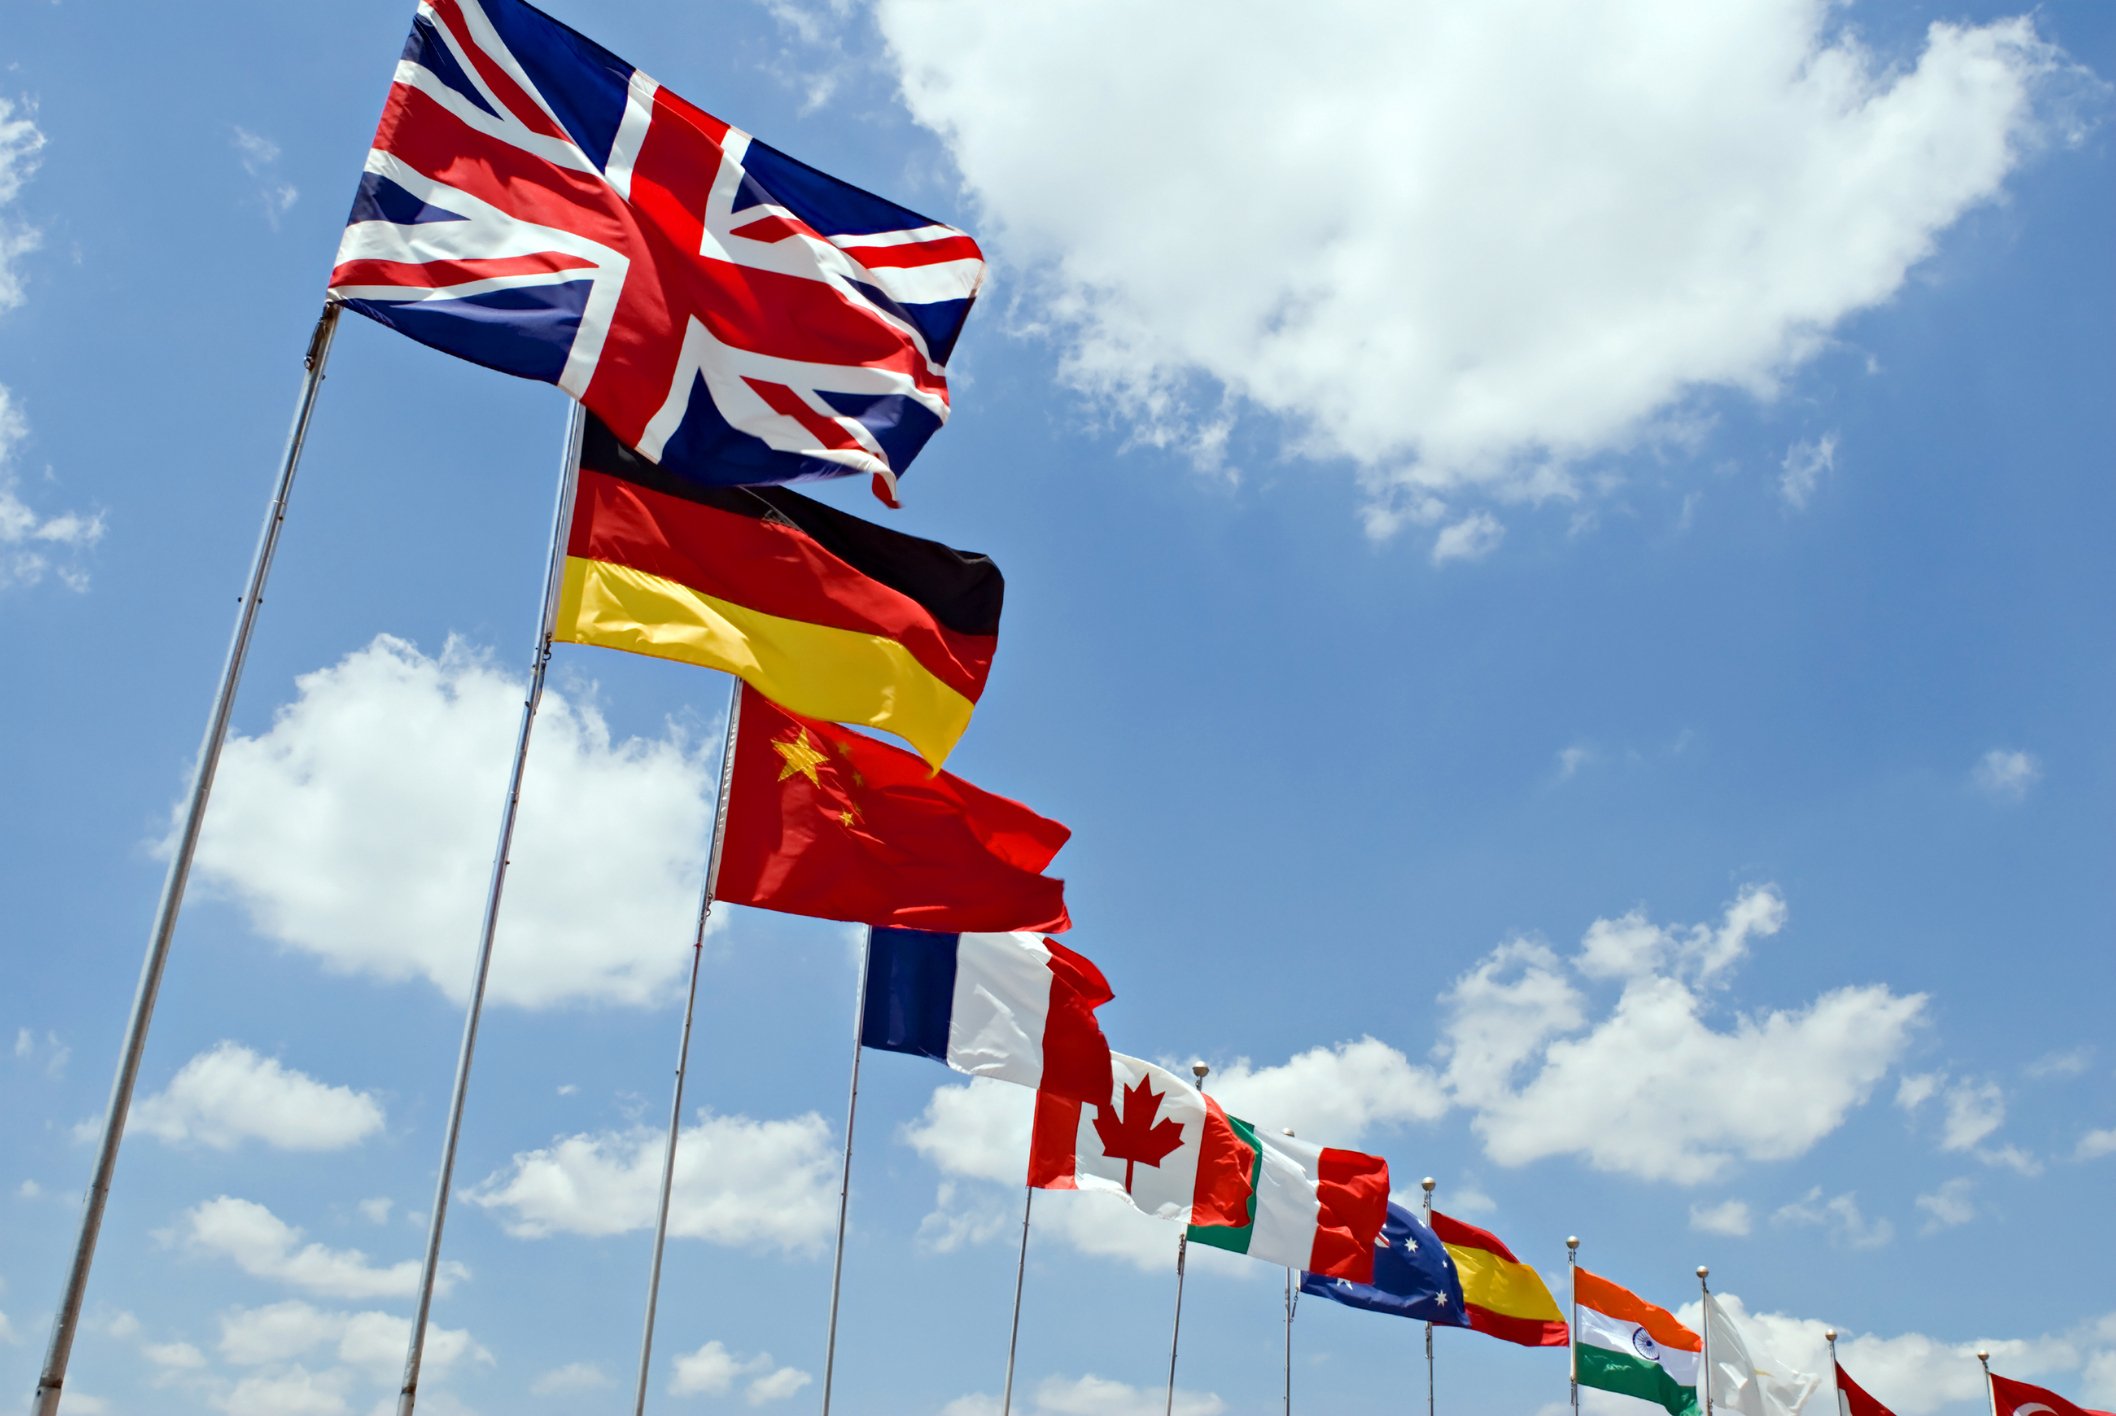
1132,1135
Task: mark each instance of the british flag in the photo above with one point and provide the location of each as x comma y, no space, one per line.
535,204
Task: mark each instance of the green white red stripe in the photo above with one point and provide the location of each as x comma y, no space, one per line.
1313,1207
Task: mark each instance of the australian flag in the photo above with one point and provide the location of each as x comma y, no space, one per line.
535,204
1413,1276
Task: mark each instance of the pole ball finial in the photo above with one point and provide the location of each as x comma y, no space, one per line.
1830,1333
1572,1241
1702,1271
1198,1070
1983,1354
1427,1184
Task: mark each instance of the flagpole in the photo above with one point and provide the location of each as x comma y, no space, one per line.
683,1048
1175,1333
1836,1377
554,571
1704,1329
1983,1356
1021,1267
67,1319
852,1106
1572,1336
1427,1185
1289,1329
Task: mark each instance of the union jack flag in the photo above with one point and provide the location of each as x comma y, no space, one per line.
535,204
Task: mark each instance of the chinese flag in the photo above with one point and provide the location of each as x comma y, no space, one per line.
2012,1398
828,822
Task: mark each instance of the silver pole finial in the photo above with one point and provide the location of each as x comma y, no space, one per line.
1427,1184
1572,1241
1198,1070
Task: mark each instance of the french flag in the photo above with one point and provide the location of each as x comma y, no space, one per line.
1018,1006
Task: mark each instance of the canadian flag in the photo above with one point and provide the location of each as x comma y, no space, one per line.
1158,1141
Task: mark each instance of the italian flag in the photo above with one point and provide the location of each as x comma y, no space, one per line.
1623,1344
1311,1207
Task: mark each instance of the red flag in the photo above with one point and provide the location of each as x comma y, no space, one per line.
1852,1399
2012,1398
828,822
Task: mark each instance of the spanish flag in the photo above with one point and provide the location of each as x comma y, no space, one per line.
1501,1296
828,615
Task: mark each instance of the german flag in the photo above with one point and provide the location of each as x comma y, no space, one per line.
823,613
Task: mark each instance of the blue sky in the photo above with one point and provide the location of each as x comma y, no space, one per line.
1557,571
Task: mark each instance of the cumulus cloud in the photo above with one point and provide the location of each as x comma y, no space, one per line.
739,1181
1472,538
34,544
1840,1215
2069,1062
371,1343
1801,471
21,150
1729,1217
2095,1144
1922,1374
712,1370
1969,1110
1092,1396
228,1094
388,766
572,1378
1429,239
260,160
289,1391
1950,1205
1655,1088
265,1246
2006,774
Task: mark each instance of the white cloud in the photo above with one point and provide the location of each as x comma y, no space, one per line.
2071,1062
21,149
174,1356
1840,1215
7,1332
573,1377
1948,1206
1430,238
1801,471
292,1391
2010,1157
376,1210
1337,1094
758,1184
1472,538
2006,774
49,1056
712,1370
1572,759
228,1094
260,159
1654,1089
1092,1396
265,1246
371,1343
2095,1144
1729,1217
388,767
960,1217
1969,1110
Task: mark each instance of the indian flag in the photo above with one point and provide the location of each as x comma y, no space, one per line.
1624,1344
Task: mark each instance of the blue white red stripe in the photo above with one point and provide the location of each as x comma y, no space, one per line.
1018,1007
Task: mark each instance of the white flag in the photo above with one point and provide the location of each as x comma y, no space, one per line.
1744,1377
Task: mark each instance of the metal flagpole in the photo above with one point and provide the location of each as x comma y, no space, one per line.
1427,1185
554,571
1836,1382
68,1317
1021,1267
1289,1330
852,1106
1983,1356
1175,1334
1572,1337
1704,1329
683,1048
